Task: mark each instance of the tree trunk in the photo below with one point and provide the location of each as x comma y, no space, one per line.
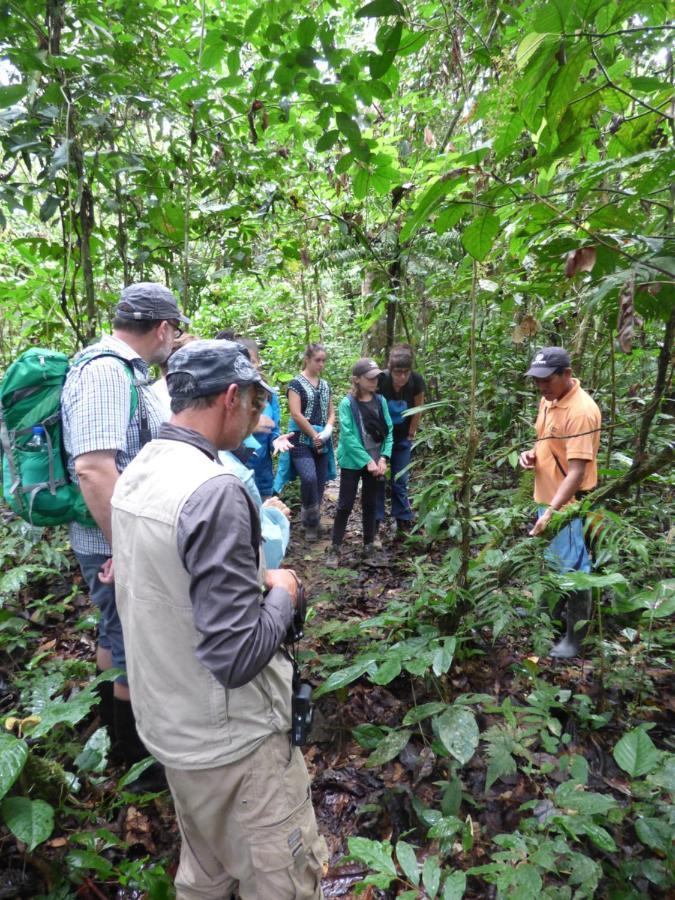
659,387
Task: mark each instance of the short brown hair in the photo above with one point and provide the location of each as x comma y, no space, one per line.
401,357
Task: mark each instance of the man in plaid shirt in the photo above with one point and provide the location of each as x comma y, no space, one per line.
101,437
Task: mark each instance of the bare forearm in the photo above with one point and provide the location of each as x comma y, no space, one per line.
305,426
567,489
97,475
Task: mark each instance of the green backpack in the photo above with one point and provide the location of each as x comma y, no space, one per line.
35,479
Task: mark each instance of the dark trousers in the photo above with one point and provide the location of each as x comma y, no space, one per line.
349,482
312,469
400,504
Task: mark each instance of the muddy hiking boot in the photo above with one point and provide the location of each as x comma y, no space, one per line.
578,612
377,540
374,557
332,560
309,519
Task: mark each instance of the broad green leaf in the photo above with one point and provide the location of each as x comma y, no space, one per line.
479,235
212,55
636,753
443,656
368,735
580,581
306,31
94,754
389,37
417,713
387,671
380,63
458,733
664,774
88,860
327,140
445,828
600,837
31,821
552,16
529,46
48,208
360,188
13,755
379,8
344,677
573,796
135,772
428,202
253,21
68,712
565,84
11,94
454,886
348,127
526,881
450,216
376,854
389,748
654,833
407,859
431,875
179,56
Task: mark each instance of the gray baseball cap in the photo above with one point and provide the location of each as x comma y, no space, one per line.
547,360
212,366
365,366
147,301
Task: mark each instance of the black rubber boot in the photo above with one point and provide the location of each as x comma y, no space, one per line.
131,749
578,610
105,708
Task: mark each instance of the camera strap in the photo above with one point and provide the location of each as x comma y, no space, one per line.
290,656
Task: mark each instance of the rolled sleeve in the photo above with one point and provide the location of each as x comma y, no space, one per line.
240,630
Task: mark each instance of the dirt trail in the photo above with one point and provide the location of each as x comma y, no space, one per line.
349,798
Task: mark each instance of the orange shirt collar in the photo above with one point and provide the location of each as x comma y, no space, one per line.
564,402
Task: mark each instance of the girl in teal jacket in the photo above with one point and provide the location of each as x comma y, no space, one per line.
364,449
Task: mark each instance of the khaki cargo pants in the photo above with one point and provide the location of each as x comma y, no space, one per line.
248,828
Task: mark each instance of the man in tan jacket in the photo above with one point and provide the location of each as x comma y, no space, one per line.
210,684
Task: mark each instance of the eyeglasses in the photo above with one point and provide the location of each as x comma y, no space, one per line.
178,329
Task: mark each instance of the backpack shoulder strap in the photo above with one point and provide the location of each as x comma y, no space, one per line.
356,414
137,401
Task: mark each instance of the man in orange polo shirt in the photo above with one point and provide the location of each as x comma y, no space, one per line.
564,460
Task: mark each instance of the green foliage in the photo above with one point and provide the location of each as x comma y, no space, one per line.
365,174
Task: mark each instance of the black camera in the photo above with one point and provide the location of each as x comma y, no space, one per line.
302,713
296,630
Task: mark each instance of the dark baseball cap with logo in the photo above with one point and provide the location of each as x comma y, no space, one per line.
547,360
366,366
212,366
148,302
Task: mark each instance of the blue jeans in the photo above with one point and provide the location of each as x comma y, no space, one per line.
567,551
103,595
400,504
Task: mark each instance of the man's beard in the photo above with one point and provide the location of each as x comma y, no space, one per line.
159,357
